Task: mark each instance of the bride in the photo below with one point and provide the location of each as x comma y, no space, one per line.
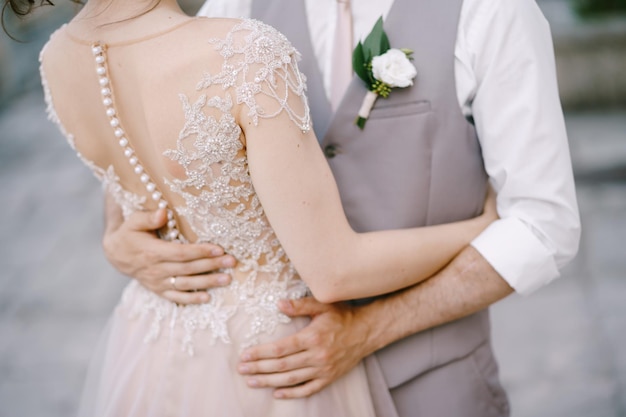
208,120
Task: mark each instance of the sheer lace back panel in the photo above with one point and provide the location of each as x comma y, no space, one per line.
178,97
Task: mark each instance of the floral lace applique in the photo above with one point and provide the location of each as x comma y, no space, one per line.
257,301
256,56
220,204
212,316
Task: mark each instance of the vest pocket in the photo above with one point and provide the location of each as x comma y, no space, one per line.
384,170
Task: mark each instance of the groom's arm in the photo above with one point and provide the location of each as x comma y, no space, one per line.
339,336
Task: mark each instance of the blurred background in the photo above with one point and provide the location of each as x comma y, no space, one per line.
562,351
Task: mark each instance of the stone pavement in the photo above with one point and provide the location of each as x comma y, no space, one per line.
562,350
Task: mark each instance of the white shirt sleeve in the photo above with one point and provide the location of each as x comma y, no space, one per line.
516,109
226,8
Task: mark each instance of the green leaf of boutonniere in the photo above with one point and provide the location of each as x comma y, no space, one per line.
376,43
360,64
384,42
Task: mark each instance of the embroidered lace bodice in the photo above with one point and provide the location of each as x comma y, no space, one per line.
207,182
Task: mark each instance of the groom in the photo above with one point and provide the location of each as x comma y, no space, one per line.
484,107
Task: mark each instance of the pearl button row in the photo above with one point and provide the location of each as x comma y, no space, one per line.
98,51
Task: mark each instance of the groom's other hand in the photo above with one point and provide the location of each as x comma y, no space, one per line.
304,363
133,248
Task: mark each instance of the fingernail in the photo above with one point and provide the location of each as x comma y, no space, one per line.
253,383
228,261
243,369
246,357
223,279
279,394
285,305
217,252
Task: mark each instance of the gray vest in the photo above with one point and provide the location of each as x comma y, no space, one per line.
416,163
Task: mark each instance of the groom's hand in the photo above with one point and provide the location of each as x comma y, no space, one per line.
134,249
304,363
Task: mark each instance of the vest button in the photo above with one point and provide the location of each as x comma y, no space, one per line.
331,150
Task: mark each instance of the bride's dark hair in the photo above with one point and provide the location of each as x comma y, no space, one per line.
23,8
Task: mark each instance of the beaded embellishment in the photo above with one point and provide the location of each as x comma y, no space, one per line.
218,201
99,52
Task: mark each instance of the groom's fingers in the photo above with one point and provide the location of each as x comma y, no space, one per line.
280,365
283,347
192,289
142,255
305,362
145,220
303,390
197,282
307,306
185,298
284,379
196,267
300,341
135,250
161,251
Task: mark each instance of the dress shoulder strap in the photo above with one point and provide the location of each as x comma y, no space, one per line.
261,65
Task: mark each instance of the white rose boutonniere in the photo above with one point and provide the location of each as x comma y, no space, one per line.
381,68
394,68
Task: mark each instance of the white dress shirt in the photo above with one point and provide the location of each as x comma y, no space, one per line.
505,80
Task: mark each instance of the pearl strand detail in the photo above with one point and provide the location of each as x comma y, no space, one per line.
99,54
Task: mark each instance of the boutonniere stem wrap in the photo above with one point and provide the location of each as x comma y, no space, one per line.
381,68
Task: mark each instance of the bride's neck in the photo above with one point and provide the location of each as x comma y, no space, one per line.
103,17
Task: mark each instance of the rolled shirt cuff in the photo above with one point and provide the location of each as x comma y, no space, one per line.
517,254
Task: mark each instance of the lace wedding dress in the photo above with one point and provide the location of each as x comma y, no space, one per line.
156,120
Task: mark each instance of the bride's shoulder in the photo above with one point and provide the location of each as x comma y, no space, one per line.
53,41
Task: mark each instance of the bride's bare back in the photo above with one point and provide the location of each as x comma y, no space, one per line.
178,113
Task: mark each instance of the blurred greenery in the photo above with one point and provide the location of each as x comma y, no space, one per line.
598,8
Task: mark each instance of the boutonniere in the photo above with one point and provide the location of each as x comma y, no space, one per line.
381,67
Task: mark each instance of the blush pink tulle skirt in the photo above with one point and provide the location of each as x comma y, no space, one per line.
133,375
